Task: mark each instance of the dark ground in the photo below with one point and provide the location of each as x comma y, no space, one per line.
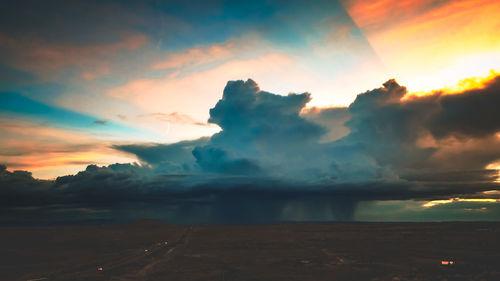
353,251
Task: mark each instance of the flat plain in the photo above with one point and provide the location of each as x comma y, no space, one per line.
153,250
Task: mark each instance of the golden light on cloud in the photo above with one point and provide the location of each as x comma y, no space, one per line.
495,166
457,199
470,83
427,45
492,192
464,73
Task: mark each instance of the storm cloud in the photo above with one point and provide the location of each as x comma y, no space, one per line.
275,160
260,130
439,132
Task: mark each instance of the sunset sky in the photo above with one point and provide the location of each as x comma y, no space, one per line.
146,83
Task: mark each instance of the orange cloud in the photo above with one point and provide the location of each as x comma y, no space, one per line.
38,55
195,92
428,45
459,153
381,14
95,72
50,152
197,56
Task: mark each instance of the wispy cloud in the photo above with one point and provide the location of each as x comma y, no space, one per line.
37,55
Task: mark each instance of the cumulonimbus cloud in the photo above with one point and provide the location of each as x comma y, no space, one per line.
274,159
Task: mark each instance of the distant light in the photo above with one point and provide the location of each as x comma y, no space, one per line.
457,199
99,268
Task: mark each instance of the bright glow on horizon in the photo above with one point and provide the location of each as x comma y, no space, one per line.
457,199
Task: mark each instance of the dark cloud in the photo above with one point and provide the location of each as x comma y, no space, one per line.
260,131
125,191
121,116
100,122
19,188
437,131
250,116
272,162
385,128
58,20
465,153
214,159
472,113
167,158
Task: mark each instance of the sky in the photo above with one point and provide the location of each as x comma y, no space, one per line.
249,111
